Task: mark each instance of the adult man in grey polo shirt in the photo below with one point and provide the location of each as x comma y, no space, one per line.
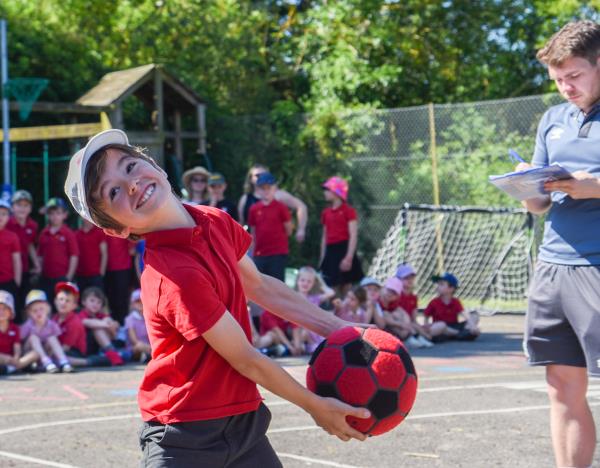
563,318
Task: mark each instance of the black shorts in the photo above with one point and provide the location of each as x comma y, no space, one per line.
330,267
233,442
563,316
272,265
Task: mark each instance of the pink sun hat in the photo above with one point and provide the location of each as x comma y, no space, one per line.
338,186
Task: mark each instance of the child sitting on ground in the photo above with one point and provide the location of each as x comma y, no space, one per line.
40,334
137,334
444,311
101,329
373,290
310,285
352,308
397,320
408,301
10,338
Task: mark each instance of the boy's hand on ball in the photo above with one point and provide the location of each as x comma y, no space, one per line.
330,414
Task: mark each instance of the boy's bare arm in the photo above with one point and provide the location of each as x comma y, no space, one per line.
275,296
227,338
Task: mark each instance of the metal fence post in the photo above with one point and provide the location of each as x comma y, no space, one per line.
46,163
436,189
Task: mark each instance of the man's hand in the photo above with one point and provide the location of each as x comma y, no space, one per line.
330,414
583,185
523,167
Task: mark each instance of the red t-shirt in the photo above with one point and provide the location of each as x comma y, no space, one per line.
408,302
269,228
85,314
56,250
190,279
119,253
27,235
335,221
9,338
441,312
9,244
89,251
72,332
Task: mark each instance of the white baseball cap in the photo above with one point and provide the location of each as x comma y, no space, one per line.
75,184
7,299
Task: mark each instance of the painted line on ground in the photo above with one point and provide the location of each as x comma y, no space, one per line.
68,408
75,392
315,460
38,461
516,409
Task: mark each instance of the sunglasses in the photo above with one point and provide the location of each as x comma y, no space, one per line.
199,179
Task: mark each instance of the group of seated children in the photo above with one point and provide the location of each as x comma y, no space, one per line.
73,336
392,307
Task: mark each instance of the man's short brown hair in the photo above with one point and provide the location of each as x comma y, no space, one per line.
575,39
93,173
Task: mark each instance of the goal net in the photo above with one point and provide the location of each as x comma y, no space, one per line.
488,249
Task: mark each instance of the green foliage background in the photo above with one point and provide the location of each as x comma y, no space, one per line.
296,84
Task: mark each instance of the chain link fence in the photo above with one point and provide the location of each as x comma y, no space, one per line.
463,143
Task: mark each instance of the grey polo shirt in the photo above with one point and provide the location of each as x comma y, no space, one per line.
572,228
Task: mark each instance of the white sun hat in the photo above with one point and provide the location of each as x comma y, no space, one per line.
75,184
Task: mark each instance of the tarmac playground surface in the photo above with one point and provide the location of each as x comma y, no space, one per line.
478,405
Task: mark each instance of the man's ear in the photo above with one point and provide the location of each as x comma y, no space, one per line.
123,233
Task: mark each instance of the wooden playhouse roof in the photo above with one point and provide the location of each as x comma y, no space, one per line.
116,86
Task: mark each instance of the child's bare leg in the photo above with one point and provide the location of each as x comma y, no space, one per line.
473,322
298,340
34,343
77,362
28,358
437,328
102,338
282,338
263,341
140,349
400,332
421,330
53,345
7,360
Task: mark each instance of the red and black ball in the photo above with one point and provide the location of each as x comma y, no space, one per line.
365,368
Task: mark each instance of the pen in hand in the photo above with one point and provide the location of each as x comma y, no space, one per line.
515,156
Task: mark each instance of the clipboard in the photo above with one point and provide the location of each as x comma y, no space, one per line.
529,183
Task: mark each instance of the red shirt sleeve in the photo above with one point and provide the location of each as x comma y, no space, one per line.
428,312
72,246
190,303
240,239
350,213
15,245
458,307
285,213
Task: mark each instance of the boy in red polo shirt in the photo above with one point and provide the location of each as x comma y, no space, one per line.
72,337
26,230
10,253
445,310
93,256
270,222
339,264
57,248
198,398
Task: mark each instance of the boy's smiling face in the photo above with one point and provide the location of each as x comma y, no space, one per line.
132,191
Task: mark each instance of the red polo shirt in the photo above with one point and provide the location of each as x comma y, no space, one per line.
335,221
119,253
441,312
408,302
9,338
27,235
89,251
72,332
269,228
56,250
9,244
190,279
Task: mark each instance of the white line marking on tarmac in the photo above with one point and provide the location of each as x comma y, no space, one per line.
66,422
516,409
75,392
68,408
38,461
314,460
